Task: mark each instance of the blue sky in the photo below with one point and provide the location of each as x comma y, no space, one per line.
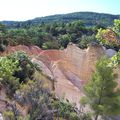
29,9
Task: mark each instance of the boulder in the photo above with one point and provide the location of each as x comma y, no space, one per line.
110,52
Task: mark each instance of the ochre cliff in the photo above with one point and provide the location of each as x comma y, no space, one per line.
70,68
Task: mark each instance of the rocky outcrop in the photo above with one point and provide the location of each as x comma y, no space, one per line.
70,68
31,50
111,36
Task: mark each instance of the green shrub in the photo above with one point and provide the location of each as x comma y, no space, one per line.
8,115
65,110
7,69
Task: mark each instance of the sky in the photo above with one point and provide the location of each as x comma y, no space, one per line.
20,10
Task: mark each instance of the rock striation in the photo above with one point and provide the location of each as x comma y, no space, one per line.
70,68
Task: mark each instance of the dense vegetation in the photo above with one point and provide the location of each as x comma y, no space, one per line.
89,18
49,36
15,69
56,35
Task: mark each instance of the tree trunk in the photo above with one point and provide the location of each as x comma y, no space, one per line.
96,117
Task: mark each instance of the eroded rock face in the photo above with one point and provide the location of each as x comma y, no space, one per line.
70,68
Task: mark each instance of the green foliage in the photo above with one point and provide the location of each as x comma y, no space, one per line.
50,45
20,36
26,67
43,105
64,40
8,115
85,40
116,27
66,110
83,101
57,31
38,98
99,36
3,41
27,117
2,28
100,91
115,60
104,40
110,36
47,36
7,69
15,69
73,116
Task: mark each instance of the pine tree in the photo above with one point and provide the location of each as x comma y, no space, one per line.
100,92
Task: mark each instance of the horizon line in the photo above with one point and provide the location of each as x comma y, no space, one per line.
59,14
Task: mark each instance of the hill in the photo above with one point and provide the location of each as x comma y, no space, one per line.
89,18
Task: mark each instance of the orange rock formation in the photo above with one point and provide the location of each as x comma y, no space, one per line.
70,68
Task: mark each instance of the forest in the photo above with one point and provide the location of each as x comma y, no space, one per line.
89,18
54,34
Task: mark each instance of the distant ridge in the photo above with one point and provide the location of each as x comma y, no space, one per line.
89,18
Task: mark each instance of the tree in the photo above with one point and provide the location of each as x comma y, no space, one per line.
64,40
15,69
116,27
115,60
26,67
2,28
50,45
3,41
85,40
100,92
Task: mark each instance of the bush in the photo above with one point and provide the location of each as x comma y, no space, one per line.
26,67
50,45
15,69
38,98
7,69
85,40
65,110
8,115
